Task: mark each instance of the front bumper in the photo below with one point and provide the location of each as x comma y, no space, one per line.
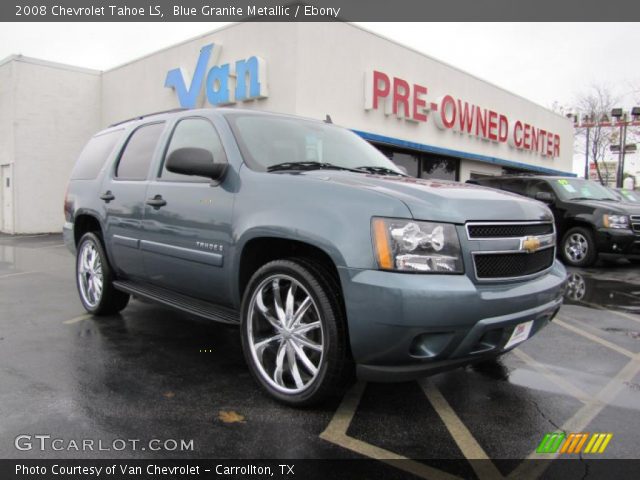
618,241
403,326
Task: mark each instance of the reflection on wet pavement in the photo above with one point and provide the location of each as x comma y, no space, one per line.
611,291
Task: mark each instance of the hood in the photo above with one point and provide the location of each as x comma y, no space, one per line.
621,208
445,201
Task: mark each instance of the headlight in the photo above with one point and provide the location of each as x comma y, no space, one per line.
615,221
408,245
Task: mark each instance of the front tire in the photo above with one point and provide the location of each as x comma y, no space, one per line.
293,332
578,247
94,278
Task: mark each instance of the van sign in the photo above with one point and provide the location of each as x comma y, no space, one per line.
224,84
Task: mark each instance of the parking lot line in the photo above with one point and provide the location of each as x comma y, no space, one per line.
594,338
57,245
568,387
466,442
635,318
336,433
16,274
582,418
78,319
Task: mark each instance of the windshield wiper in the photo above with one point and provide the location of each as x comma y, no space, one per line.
307,166
379,170
595,199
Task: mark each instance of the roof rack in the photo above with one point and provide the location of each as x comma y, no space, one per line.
140,117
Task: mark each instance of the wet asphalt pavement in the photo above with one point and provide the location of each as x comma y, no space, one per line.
152,373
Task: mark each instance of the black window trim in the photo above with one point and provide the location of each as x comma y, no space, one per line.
114,172
158,174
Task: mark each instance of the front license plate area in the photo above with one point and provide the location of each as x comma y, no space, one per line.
520,334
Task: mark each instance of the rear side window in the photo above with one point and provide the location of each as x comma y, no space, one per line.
138,153
193,133
512,185
94,155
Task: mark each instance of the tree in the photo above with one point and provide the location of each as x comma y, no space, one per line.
593,106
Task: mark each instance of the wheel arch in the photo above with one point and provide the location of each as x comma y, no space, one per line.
261,249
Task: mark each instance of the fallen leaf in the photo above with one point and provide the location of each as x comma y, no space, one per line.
168,394
229,416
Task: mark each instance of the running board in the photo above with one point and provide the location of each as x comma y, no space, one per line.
180,302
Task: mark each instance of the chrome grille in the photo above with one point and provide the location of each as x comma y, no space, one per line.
507,265
509,230
635,223
509,250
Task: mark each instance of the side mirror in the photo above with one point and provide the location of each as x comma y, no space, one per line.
195,161
545,197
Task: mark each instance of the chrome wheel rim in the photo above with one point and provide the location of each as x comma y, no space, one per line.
285,334
90,277
576,247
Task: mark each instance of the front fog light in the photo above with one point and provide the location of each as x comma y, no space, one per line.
408,245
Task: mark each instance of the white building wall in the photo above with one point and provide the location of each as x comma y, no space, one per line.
467,167
57,109
137,88
7,95
336,56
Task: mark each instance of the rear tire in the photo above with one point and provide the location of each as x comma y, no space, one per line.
94,278
578,248
294,332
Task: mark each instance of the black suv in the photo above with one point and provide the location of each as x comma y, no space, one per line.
589,219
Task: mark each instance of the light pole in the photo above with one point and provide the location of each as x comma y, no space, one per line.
623,122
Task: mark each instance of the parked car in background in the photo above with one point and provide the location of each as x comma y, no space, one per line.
589,218
626,196
310,240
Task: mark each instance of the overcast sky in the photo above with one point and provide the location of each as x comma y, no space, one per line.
544,62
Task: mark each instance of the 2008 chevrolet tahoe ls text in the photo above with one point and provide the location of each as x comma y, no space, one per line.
327,256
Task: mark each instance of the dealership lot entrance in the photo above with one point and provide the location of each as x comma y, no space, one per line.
153,374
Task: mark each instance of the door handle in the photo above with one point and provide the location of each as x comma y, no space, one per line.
157,201
107,196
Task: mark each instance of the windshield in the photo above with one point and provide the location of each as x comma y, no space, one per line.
270,140
629,196
579,189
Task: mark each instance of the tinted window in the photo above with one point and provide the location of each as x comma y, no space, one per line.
138,153
94,154
539,186
512,185
194,133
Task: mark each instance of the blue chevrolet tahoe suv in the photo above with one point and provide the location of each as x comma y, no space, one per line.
329,258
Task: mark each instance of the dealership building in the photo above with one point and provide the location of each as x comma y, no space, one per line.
431,118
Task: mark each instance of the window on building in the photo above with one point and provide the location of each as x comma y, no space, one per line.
441,168
198,133
423,165
408,160
138,153
94,155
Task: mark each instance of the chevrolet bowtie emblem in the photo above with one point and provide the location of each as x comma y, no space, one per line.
530,244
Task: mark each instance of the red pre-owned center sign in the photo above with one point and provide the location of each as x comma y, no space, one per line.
408,101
